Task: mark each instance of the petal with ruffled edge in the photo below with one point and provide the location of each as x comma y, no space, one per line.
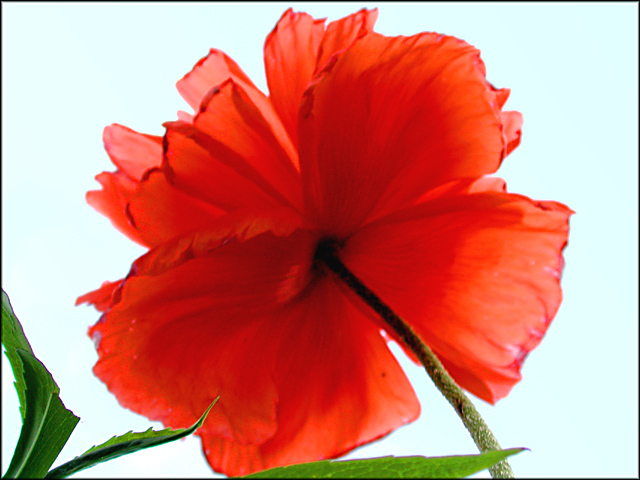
338,386
160,212
102,297
390,118
290,59
512,129
228,115
213,70
341,34
511,121
150,211
188,324
297,48
132,152
475,271
138,199
112,200
238,312
228,156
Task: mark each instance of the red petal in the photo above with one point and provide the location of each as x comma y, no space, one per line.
501,94
301,374
185,117
159,212
392,118
512,122
214,69
338,387
230,155
209,72
100,298
151,211
132,152
297,48
205,168
189,325
112,201
476,275
191,168
228,115
342,33
290,59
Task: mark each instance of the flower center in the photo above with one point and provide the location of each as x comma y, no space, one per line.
327,247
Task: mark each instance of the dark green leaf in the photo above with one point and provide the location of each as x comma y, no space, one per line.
13,338
392,467
46,423
122,445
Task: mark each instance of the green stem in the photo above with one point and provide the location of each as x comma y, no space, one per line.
482,436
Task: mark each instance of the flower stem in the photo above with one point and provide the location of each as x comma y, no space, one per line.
482,436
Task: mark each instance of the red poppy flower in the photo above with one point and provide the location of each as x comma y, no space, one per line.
380,143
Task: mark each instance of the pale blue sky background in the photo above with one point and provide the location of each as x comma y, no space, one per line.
68,70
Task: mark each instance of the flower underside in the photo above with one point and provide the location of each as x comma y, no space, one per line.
373,150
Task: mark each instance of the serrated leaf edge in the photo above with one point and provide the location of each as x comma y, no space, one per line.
105,451
149,433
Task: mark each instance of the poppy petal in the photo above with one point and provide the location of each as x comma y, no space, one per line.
159,212
184,116
294,378
100,298
132,152
206,169
297,48
112,200
480,279
209,72
228,115
512,122
338,387
214,69
188,325
342,33
290,52
391,118
229,155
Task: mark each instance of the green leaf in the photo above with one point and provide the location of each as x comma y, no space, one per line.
392,467
46,423
122,445
13,338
